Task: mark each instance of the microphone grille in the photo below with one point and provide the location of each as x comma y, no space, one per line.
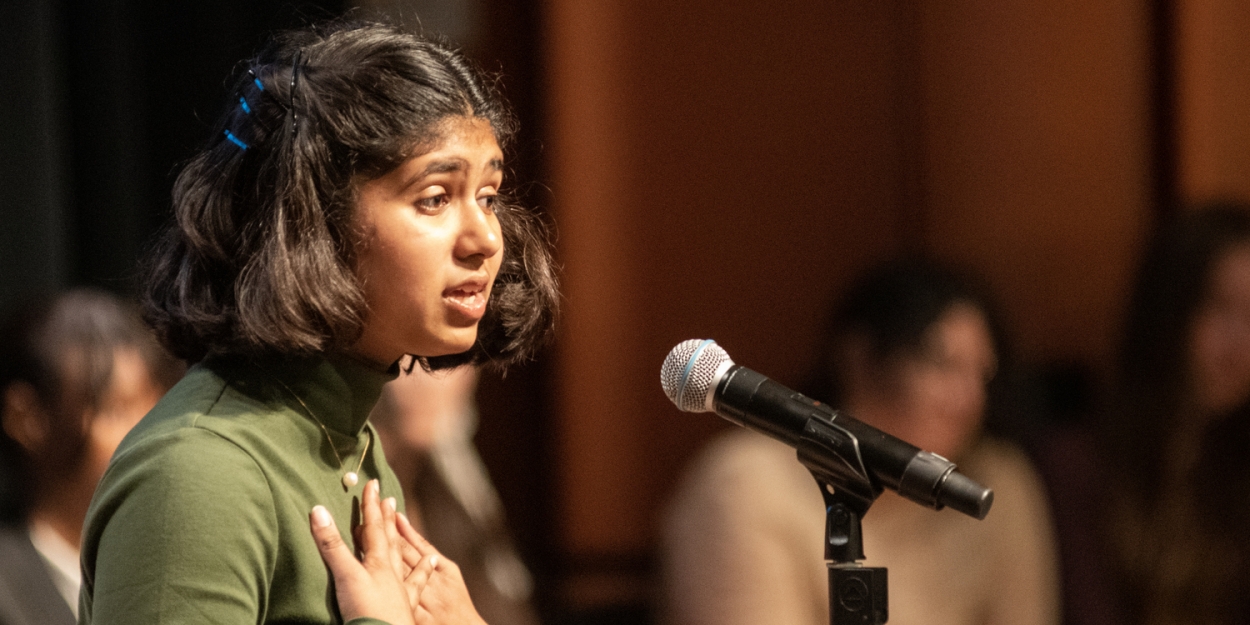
689,371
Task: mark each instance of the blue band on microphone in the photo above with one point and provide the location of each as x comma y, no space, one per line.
243,103
259,84
235,140
685,373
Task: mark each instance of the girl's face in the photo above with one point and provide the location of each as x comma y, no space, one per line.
1220,336
430,246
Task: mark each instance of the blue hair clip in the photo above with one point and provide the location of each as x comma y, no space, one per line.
256,80
235,140
243,103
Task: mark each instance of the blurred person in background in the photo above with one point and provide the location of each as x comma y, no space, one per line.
426,422
76,373
1174,443
911,350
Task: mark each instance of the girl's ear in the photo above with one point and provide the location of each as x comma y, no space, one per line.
24,417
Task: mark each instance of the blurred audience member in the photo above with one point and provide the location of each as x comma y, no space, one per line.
1175,442
76,373
426,422
911,350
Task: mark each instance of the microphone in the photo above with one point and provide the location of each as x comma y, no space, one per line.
699,376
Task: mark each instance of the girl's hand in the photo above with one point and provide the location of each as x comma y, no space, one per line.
444,598
382,584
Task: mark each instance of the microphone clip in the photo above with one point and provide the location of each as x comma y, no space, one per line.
857,594
833,456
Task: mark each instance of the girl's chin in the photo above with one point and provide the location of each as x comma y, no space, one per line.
444,346
455,341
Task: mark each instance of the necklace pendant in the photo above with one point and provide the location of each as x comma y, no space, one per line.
350,479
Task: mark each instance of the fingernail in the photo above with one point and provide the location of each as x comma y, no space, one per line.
321,516
434,562
390,503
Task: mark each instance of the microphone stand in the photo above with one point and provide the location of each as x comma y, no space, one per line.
858,595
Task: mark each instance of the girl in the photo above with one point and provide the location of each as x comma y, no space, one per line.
347,213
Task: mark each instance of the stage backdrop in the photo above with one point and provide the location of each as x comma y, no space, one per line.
721,170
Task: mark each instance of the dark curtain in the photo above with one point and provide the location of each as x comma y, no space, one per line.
99,103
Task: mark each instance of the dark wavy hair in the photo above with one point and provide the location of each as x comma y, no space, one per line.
260,257
893,306
1173,282
1153,417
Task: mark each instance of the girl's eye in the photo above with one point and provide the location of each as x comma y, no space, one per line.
435,202
487,201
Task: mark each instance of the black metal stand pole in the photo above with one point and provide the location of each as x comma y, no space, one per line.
858,595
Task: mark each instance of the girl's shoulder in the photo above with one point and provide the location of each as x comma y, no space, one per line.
184,430
215,398
211,423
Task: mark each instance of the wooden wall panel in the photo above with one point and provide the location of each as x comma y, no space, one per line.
597,240
1213,99
770,160
1036,155
721,170
718,171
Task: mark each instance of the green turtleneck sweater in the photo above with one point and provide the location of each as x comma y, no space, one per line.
202,516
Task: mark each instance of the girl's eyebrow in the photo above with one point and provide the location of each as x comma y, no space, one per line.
443,166
453,165
449,165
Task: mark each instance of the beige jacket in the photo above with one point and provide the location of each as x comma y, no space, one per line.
743,544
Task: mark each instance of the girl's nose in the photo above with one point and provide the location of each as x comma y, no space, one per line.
480,233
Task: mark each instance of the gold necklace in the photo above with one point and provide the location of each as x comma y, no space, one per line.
351,478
